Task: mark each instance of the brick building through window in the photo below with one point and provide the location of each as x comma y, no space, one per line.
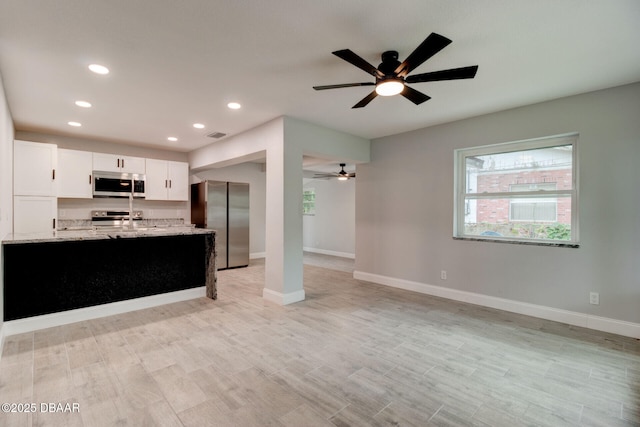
524,190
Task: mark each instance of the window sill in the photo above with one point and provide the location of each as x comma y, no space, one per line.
519,242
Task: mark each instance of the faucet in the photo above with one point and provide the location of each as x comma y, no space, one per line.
131,210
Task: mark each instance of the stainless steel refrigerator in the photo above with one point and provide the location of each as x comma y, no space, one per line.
224,207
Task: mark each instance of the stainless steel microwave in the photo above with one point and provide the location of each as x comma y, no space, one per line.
118,184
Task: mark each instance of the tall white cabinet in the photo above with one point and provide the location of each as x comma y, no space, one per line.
35,203
34,214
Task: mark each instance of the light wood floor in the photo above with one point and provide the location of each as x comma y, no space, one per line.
351,354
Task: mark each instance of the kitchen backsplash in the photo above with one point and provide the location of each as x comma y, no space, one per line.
69,224
77,212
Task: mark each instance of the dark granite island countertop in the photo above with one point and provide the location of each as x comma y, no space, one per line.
64,270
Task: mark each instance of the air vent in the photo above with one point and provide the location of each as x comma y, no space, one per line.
216,135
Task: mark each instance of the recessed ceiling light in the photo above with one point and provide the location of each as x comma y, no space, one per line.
74,124
99,69
83,104
172,138
198,125
234,105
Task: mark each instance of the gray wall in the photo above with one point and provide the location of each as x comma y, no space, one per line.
332,229
404,219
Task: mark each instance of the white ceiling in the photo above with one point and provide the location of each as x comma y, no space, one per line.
174,63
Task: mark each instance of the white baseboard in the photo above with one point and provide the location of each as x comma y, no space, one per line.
283,299
35,323
619,327
328,252
258,255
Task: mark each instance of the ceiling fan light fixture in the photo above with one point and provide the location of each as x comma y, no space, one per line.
83,104
343,178
389,87
99,69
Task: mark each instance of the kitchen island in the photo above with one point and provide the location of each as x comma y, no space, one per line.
53,272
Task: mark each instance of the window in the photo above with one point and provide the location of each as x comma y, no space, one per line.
309,201
524,191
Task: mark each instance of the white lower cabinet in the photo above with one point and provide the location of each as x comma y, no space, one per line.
34,214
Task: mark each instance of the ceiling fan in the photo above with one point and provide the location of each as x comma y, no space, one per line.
342,175
392,75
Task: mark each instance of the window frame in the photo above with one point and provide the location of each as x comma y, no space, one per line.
461,197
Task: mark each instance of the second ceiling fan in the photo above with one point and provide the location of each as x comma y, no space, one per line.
342,175
392,75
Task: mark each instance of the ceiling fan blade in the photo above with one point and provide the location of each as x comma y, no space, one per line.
452,74
354,59
343,85
433,44
414,96
367,99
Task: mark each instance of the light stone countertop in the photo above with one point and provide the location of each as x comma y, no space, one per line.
103,234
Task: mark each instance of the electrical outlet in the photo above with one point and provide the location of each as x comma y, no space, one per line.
594,298
443,274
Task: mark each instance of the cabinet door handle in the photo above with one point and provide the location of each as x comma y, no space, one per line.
118,162
54,223
165,183
53,174
122,162
89,179
169,183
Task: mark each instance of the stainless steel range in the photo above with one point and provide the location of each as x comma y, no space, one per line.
114,218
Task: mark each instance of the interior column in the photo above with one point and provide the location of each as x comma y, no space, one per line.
283,235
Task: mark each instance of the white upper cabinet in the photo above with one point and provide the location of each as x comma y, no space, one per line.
167,180
34,169
116,163
74,174
156,183
178,175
